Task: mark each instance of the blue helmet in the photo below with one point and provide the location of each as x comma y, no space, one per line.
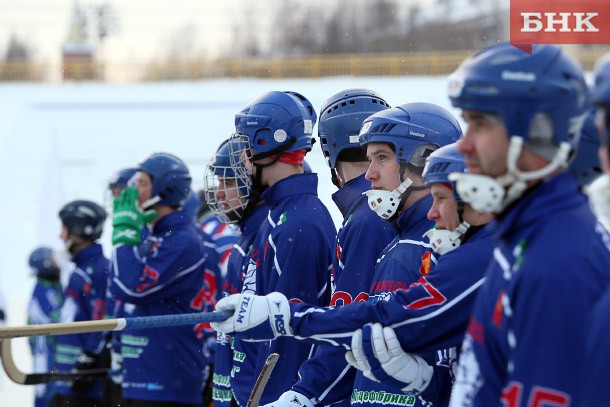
505,80
414,129
83,218
585,166
277,122
43,263
600,93
441,163
341,118
121,177
171,181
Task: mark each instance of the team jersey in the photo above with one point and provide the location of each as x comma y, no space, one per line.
83,301
44,308
363,235
525,341
164,275
243,375
223,237
431,315
293,255
597,356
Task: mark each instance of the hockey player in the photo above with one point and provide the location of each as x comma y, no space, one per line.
466,250
44,308
82,225
327,378
163,274
597,357
293,251
397,140
233,202
551,262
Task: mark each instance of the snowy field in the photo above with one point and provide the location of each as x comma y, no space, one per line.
63,142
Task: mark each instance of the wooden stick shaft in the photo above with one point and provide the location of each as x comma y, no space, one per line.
118,324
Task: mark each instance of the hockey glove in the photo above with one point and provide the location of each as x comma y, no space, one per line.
256,318
86,361
292,399
377,353
128,220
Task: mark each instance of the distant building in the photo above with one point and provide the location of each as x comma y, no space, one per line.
78,56
460,24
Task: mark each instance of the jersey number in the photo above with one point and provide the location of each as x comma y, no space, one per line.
540,397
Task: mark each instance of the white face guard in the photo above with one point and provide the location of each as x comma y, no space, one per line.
385,203
492,195
443,241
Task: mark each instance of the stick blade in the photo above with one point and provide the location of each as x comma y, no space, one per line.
261,382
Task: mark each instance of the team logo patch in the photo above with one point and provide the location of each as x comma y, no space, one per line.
280,135
426,262
498,311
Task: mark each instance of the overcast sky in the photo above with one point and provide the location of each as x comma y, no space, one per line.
145,26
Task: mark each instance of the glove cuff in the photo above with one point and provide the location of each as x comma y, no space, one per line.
279,310
296,399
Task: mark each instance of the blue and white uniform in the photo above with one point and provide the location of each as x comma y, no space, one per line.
44,308
327,376
244,374
84,301
294,256
164,275
431,315
525,342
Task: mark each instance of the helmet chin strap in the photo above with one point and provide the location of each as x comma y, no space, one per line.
492,195
387,203
149,203
443,241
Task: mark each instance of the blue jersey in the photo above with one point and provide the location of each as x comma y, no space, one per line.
294,256
597,356
363,235
244,374
431,315
164,275
525,341
44,308
83,301
223,238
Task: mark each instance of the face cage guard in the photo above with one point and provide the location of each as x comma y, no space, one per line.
229,211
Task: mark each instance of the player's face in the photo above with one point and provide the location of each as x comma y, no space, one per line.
444,208
384,170
227,194
64,235
143,183
484,145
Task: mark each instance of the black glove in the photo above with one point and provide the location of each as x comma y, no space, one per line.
86,361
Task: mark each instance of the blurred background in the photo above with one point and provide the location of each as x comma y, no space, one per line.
138,40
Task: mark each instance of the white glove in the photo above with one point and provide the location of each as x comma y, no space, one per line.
255,318
292,399
377,353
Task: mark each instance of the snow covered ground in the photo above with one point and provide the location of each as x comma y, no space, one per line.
63,142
